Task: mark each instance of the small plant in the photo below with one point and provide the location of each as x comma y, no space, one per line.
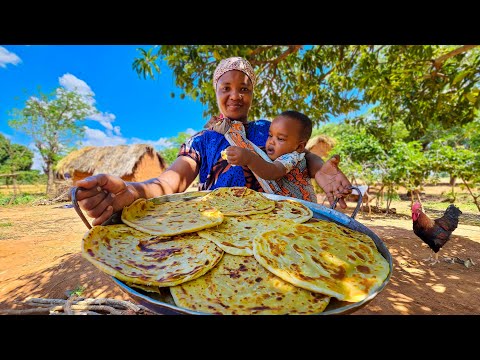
6,224
78,291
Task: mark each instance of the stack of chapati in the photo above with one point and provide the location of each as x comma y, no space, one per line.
234,251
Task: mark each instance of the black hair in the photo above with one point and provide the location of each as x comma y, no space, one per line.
304,120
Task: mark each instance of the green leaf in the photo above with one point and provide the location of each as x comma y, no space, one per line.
460,77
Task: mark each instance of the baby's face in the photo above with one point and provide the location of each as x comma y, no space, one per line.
283,137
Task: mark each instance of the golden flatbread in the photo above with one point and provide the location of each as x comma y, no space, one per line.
133,256
323,257
235,235
236,201
239,285
284,210
170,218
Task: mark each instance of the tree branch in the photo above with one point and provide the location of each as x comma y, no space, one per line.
291,49
261,49
438,62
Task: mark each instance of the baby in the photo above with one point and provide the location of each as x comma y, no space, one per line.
285,162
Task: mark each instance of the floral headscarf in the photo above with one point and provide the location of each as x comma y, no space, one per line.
234,63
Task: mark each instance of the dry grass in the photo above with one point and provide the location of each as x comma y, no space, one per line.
30,189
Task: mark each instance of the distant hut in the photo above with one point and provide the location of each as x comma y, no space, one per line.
130,162
321,145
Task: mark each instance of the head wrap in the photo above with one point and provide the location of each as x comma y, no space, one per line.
234,63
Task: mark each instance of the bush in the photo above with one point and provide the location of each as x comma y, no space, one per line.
20,199
32,177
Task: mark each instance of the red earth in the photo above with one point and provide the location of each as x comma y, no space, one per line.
40,257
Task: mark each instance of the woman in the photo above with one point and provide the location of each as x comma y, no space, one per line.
234,80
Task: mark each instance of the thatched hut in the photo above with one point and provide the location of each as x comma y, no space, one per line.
130,162
321,145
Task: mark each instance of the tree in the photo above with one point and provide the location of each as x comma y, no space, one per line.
418,85
14,158
170,153
421,86
53,124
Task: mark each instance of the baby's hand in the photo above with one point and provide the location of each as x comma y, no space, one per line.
237,155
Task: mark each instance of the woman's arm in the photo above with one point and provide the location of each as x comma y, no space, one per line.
102,195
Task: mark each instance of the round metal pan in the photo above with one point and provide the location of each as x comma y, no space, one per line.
162,303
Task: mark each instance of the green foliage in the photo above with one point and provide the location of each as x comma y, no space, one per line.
20,199
420,85
31,177
78,291
360,153
407,165
413,85
333,130
290,74
14,157
170,153
5,224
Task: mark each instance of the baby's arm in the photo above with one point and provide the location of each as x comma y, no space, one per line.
244,157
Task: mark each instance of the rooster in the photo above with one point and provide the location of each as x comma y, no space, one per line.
435,233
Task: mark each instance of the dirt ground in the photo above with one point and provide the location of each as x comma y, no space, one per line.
40,257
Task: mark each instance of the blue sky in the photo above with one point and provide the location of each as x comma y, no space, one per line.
130,109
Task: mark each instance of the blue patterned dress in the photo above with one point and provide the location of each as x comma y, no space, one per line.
205,148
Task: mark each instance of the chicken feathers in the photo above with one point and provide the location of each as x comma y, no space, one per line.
435,232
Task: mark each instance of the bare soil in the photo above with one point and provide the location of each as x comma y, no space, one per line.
40,257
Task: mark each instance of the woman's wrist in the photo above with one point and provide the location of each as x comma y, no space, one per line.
129,195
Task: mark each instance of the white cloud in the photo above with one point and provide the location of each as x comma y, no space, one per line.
105,119
159,144
191,131
72,83
7,57
95,137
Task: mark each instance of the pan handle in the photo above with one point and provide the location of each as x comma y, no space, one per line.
359,202
73,193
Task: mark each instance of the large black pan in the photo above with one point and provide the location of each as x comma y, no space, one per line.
163,303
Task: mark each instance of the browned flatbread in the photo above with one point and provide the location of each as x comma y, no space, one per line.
236,201
240,285
143,259
323,257
171,218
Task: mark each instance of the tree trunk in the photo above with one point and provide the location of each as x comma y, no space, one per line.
50,182
453,191
14,182
475,197
453,180
380,196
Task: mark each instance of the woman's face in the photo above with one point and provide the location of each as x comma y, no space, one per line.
234,95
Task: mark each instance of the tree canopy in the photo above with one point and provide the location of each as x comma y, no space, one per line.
52,123
417,85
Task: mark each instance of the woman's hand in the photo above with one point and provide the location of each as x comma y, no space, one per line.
102,195
333,182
